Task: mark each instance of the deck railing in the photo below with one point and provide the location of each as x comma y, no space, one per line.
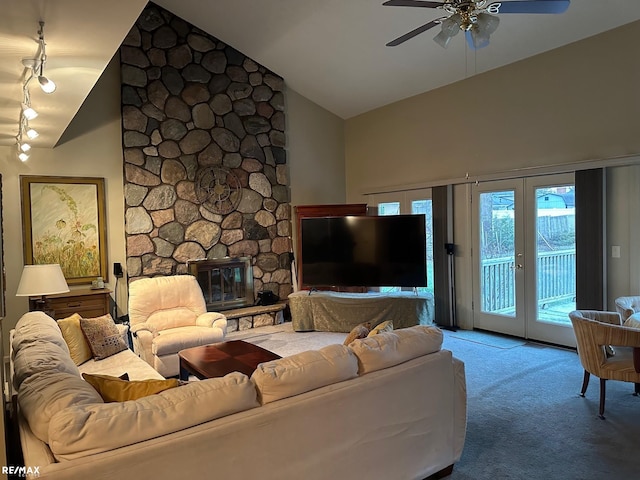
556,280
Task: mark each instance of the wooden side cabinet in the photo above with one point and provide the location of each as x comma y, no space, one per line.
308,211
86,302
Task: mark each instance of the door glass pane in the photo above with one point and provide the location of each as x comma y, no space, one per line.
555,253
425,207
497,252
389,208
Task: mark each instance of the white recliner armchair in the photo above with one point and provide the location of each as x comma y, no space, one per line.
627,306
169,314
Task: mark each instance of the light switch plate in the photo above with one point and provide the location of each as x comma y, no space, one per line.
615,251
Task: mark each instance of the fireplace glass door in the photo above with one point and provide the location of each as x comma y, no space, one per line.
226,282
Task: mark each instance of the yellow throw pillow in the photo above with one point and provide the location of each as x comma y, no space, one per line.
359,331
381,328
113,389
73,336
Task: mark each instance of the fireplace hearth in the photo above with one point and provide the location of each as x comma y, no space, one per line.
226,282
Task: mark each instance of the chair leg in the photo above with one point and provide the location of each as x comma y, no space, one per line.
585,383
603,391
636,389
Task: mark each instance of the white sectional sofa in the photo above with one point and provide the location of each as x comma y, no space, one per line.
387,407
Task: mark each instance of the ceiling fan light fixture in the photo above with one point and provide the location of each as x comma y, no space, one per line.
442,39
477,39
25,147
450,27
487,23
480,34
23,157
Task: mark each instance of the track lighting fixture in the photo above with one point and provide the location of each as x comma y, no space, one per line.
27,112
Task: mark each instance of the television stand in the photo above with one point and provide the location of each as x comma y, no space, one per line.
327,311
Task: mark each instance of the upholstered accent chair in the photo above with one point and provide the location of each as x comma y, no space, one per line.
627,306
598,333
169,314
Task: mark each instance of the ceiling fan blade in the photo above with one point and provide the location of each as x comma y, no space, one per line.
413,33
529,6
412,3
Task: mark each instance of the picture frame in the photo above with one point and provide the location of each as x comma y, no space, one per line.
64,222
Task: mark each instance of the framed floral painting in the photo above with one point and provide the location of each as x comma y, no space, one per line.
63,222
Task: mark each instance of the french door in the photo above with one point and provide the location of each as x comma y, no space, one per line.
524,257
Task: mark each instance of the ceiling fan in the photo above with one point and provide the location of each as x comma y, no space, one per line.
477,18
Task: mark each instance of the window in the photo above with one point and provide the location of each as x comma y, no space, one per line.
411,202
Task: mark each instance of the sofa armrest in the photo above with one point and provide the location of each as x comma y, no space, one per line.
137,329
212,319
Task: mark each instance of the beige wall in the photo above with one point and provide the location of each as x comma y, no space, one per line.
315,149
91,147
623,230
573,104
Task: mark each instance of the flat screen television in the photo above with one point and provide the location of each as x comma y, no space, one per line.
370,251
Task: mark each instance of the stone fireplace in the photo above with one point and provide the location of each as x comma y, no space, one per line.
205,165
226,282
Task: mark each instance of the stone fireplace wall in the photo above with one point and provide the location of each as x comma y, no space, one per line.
204,154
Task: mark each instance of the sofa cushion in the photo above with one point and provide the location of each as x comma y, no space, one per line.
117,389
84,430
36,327
173,340
103,336
386,326
44,394
303,372
72,333
116,365
391,348
43,356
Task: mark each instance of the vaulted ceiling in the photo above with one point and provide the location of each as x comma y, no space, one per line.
332,52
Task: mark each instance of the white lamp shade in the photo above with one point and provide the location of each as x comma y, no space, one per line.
41,280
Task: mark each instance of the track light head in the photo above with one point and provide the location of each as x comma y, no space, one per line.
46,84
28,112
31,133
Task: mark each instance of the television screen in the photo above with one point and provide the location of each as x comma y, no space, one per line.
364,251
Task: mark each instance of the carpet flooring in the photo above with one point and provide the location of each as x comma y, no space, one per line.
525,418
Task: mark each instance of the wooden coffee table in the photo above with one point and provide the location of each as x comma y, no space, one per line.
219,359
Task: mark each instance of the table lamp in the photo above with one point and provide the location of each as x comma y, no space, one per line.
41,280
